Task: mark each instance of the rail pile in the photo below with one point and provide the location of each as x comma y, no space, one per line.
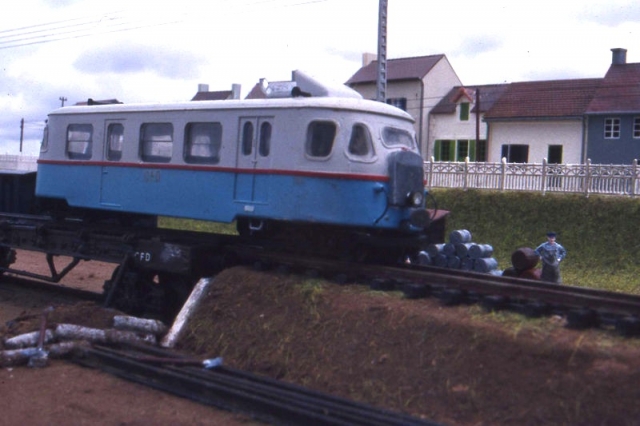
234,390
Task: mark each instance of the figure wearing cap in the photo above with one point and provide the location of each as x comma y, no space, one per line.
551,253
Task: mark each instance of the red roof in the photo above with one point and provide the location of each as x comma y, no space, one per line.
545,99
489,93
221,95
397,69
619,92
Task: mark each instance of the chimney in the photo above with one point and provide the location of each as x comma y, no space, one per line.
235,91
203,88
619,56
367,58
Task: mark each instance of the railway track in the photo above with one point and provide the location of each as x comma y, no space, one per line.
262,398
583,307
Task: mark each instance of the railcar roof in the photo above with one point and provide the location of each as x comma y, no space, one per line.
349,104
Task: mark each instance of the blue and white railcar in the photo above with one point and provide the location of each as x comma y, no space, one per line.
309,159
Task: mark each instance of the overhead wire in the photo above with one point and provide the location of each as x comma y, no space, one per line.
112,22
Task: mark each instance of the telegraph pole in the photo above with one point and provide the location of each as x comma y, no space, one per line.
62,100
381,94
21,132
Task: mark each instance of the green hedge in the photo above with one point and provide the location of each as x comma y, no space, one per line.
599,232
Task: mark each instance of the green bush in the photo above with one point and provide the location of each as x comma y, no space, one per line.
598,232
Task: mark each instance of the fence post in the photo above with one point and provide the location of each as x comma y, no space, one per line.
587,183
430,172
544,175
503,175
634,172
466,172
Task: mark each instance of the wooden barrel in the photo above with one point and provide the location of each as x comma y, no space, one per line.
524,258
434,249
424,258
485,264
453,262
440,260
510,272
531,274
477,251
466,264
449,249
460,236
462,249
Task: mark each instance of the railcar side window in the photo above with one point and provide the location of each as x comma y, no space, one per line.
265,139
360,142
115,139
247,138
393,137
79,141
203,141
320,137
156,142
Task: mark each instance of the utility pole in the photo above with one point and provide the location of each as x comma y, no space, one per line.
62,100
21,133
381,94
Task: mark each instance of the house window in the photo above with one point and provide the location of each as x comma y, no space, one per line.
554,154
515,153
464,111
612,128
636,128
444,150
481,150
398,103
463,150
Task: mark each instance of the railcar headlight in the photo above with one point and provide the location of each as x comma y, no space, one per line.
415,198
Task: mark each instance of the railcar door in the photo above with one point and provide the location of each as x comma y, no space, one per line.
113,180
254,160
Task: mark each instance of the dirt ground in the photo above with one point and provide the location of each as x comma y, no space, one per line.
454,365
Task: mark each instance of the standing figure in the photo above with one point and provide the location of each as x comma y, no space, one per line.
551,254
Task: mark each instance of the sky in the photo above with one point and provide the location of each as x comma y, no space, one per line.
141,51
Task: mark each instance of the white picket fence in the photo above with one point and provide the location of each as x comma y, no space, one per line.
19,162
542,177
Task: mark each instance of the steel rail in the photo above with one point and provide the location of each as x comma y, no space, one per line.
262,398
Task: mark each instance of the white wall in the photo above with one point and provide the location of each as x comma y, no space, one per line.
538,135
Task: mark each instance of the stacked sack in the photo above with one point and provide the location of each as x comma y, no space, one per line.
461,253
524,262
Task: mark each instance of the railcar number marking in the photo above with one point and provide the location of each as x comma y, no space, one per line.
151,176
142,256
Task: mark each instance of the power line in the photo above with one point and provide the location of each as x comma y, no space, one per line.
112,22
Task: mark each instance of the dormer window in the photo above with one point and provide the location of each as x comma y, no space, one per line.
464,111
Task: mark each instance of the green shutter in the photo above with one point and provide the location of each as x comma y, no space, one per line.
472,150
437,149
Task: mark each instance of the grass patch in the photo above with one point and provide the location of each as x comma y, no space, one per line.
197,225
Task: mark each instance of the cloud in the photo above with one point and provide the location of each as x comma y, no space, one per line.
612,15
138,58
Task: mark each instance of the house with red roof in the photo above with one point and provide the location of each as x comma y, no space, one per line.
534,120
613,115
457,122
415,85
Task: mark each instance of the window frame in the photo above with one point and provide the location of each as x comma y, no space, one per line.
114,154
465,111
155,155
636,127
612,128
310,146
72,144
213,131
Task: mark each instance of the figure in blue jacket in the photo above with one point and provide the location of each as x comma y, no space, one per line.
551,253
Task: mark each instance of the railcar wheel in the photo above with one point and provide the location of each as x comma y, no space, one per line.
137,293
